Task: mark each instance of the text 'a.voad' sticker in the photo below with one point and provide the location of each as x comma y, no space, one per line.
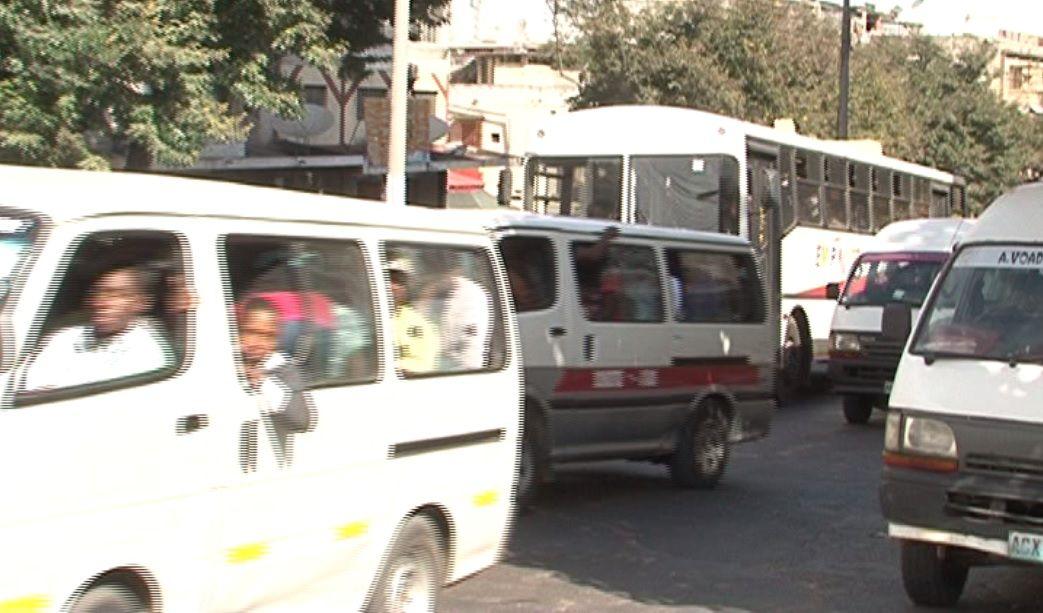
698,165
1001,257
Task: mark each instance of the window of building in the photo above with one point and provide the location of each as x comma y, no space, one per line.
714,287
315,94
529,261
121,316
447,316
618,283
320,295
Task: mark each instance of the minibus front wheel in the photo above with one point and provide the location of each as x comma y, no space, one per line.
414,571
108,598
931,574
702,451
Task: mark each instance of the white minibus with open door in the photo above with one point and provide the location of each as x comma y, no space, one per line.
962,482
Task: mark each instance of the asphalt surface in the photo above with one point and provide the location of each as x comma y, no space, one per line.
794,526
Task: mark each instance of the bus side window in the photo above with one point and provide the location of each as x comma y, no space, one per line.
789,198
858,182
901,206
881,186
835,188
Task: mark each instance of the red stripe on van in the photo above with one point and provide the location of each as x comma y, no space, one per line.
671,377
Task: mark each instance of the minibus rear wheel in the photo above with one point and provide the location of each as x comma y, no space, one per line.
532,466
702,451
414,571
931,575
108,598
857,409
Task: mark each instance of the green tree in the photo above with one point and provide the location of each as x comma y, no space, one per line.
161,78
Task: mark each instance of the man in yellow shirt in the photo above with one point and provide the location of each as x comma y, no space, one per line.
416,339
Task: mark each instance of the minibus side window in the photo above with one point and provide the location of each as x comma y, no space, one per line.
529,261
714,287
447,315
120,316
618,283
321,296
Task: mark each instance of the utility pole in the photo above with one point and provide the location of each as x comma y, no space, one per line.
395,185
845,57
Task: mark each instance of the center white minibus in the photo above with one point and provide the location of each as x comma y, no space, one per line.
962,481
227,398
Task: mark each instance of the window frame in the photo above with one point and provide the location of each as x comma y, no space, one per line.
182,360
555,273
495,294
659,277
230,303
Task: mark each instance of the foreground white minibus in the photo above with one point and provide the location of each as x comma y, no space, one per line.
962,483
229,398
899,267
639,342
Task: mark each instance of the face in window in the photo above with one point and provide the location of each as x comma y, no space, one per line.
399,288
116,300
258,336
525,296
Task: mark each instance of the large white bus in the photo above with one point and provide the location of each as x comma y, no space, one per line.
807,205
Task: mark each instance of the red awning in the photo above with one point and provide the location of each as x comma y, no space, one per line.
464,179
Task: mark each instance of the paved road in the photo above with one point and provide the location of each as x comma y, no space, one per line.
794,526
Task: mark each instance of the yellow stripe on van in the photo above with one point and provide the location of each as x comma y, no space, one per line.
485,498
28,604
247,553
352,530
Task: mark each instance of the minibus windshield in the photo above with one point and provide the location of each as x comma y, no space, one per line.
878,279
988,306
16,236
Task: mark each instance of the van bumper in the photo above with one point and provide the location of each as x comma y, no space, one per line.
752,419
862,376
969,511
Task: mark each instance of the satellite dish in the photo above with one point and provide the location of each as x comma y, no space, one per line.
314,120
437,128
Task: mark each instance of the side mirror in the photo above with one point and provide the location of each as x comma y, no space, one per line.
897,321
832,291
503,188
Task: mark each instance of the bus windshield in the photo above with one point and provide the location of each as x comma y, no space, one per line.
989,305
697,192
878,279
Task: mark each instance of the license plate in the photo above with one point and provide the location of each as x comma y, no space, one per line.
887,386
1023,546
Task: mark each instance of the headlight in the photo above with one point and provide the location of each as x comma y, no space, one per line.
928,437
844,342
893,431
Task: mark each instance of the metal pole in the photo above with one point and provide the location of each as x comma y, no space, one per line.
395,186
845,56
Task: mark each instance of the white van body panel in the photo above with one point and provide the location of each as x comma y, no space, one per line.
103,481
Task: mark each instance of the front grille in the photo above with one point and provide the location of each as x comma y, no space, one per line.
878,348
879,360
995,509
1004,466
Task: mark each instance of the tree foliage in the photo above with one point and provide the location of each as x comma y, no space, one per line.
760,60
163,77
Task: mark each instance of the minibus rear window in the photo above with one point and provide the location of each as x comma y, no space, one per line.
989,305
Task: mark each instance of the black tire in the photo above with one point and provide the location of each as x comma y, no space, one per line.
702,450
414,571
794,359
857,409
532,464
931,575
108,598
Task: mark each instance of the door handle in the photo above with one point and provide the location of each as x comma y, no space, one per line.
191,423
588,347
557,331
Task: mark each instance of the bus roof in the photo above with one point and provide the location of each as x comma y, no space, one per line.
64,195
922,235
1016,217
665,130
512,219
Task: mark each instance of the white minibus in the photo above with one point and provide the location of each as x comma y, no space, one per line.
962,482
899,267
228,398
639,342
